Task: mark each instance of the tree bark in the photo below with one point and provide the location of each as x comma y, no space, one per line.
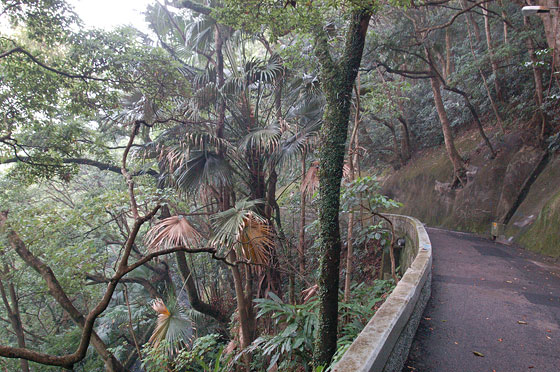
551,22
15,319
247,320
494,63
476,119
504,21
56,291
459,172
449,56
537,76
192,292
303,201
405,139
493,104
472,22
352,160
337,80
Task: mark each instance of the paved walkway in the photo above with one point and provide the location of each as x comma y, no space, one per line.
494,308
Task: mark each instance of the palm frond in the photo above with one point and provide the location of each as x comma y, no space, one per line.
172,232
245,229
310,182
302,141
256,240
264,139
172,326
199,33
204,140
203,168
189,170
264,71
206,95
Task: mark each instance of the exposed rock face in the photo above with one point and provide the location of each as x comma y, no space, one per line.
493,188
519,168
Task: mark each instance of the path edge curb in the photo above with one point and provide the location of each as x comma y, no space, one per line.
384,343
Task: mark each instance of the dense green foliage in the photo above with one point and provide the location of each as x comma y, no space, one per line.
205,160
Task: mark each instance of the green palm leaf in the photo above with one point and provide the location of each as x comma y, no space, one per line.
172,326
242,228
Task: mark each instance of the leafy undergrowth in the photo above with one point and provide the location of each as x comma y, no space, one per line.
288,346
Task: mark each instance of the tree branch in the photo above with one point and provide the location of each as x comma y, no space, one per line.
83,161
51,69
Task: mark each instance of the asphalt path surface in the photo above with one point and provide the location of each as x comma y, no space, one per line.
494,308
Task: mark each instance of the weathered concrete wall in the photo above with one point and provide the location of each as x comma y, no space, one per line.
400,351
384,343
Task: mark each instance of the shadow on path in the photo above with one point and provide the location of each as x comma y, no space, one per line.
490,299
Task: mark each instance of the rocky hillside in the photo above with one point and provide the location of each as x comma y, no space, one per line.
519,187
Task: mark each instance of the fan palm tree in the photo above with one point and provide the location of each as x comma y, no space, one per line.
228,139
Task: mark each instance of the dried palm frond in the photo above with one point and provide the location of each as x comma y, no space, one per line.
310,182
256,239
243,228
309,293
172,232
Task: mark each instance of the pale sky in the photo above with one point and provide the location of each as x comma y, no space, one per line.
108,14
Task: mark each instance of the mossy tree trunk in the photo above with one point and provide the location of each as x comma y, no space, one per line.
337,79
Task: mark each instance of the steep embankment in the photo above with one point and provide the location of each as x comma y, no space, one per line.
495,188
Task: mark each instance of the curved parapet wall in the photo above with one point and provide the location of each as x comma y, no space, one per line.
384,343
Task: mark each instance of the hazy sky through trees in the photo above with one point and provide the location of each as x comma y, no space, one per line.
108,14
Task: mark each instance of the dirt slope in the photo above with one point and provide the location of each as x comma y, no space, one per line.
493,187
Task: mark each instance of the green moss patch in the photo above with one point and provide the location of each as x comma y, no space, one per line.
544,235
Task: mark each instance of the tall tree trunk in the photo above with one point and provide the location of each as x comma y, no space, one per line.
15,318
551,22
404,153
449,55
247,320
443,64
504,22
337,80
352,160
192,292
537,76
493,61
471,21
486,87
476,119
459,172
405,139
303,201
273,280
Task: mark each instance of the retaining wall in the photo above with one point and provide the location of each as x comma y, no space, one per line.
384,343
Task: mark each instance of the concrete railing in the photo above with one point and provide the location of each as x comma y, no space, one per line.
384,343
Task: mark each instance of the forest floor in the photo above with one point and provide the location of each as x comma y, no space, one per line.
493,308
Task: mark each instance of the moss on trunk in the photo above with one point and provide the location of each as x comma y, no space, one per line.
337,78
